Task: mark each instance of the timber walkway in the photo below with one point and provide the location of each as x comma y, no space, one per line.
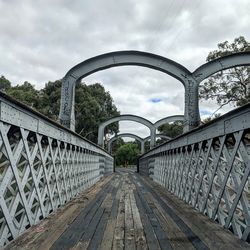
127,211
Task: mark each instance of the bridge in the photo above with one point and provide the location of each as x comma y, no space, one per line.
60,191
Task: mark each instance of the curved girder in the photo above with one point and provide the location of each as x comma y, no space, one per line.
191,81
136,137
126,117
168,119
114,138
222,63
105,61
158,135
125,58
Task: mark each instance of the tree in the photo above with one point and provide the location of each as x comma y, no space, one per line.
230,86
4,83
171,129
127,154
116,145
93,104
25,93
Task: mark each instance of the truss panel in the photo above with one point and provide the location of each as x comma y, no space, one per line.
209,169
42,167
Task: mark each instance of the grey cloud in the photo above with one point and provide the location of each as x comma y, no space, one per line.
41,40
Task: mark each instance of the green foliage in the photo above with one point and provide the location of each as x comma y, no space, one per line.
50,99
93,104
116,145
4,83
25,93
209,119
127,154
171,129
230,86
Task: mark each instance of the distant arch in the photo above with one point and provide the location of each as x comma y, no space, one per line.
158,135
126,117
136,137
168,119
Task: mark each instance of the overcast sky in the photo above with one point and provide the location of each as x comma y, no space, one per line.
40,40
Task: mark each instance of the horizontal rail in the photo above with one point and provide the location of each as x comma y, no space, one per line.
42,166
209,168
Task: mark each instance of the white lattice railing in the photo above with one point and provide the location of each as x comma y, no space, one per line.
42,166
209,169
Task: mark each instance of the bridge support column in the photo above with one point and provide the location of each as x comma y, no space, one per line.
152,137
142,147
192,114
67,108
109,147
100,136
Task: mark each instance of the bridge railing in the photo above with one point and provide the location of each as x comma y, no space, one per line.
209,169
42,166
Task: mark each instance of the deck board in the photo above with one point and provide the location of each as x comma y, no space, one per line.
127,211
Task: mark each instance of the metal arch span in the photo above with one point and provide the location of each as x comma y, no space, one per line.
126,58
126,117
168,119
105,61
136,137
222,63
158,135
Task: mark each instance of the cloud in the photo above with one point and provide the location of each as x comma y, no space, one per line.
41,40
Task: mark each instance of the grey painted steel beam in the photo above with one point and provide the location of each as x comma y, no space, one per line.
209,168
222,63
44,165
168,119
126,117
123,58
190,80
138,138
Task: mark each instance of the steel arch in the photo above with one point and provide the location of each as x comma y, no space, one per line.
114,59
136,137
168,119
126,117
158,135
222,63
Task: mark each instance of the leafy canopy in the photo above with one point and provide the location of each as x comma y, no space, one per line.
230,86
127,154
93,104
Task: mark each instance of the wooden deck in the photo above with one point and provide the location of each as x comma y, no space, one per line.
127,211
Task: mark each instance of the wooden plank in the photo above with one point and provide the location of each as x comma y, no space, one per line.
176,237
107,205
107,239
118,241
129,224
194,238
211,234
140,240
152,242
43,235
159,232
81,224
